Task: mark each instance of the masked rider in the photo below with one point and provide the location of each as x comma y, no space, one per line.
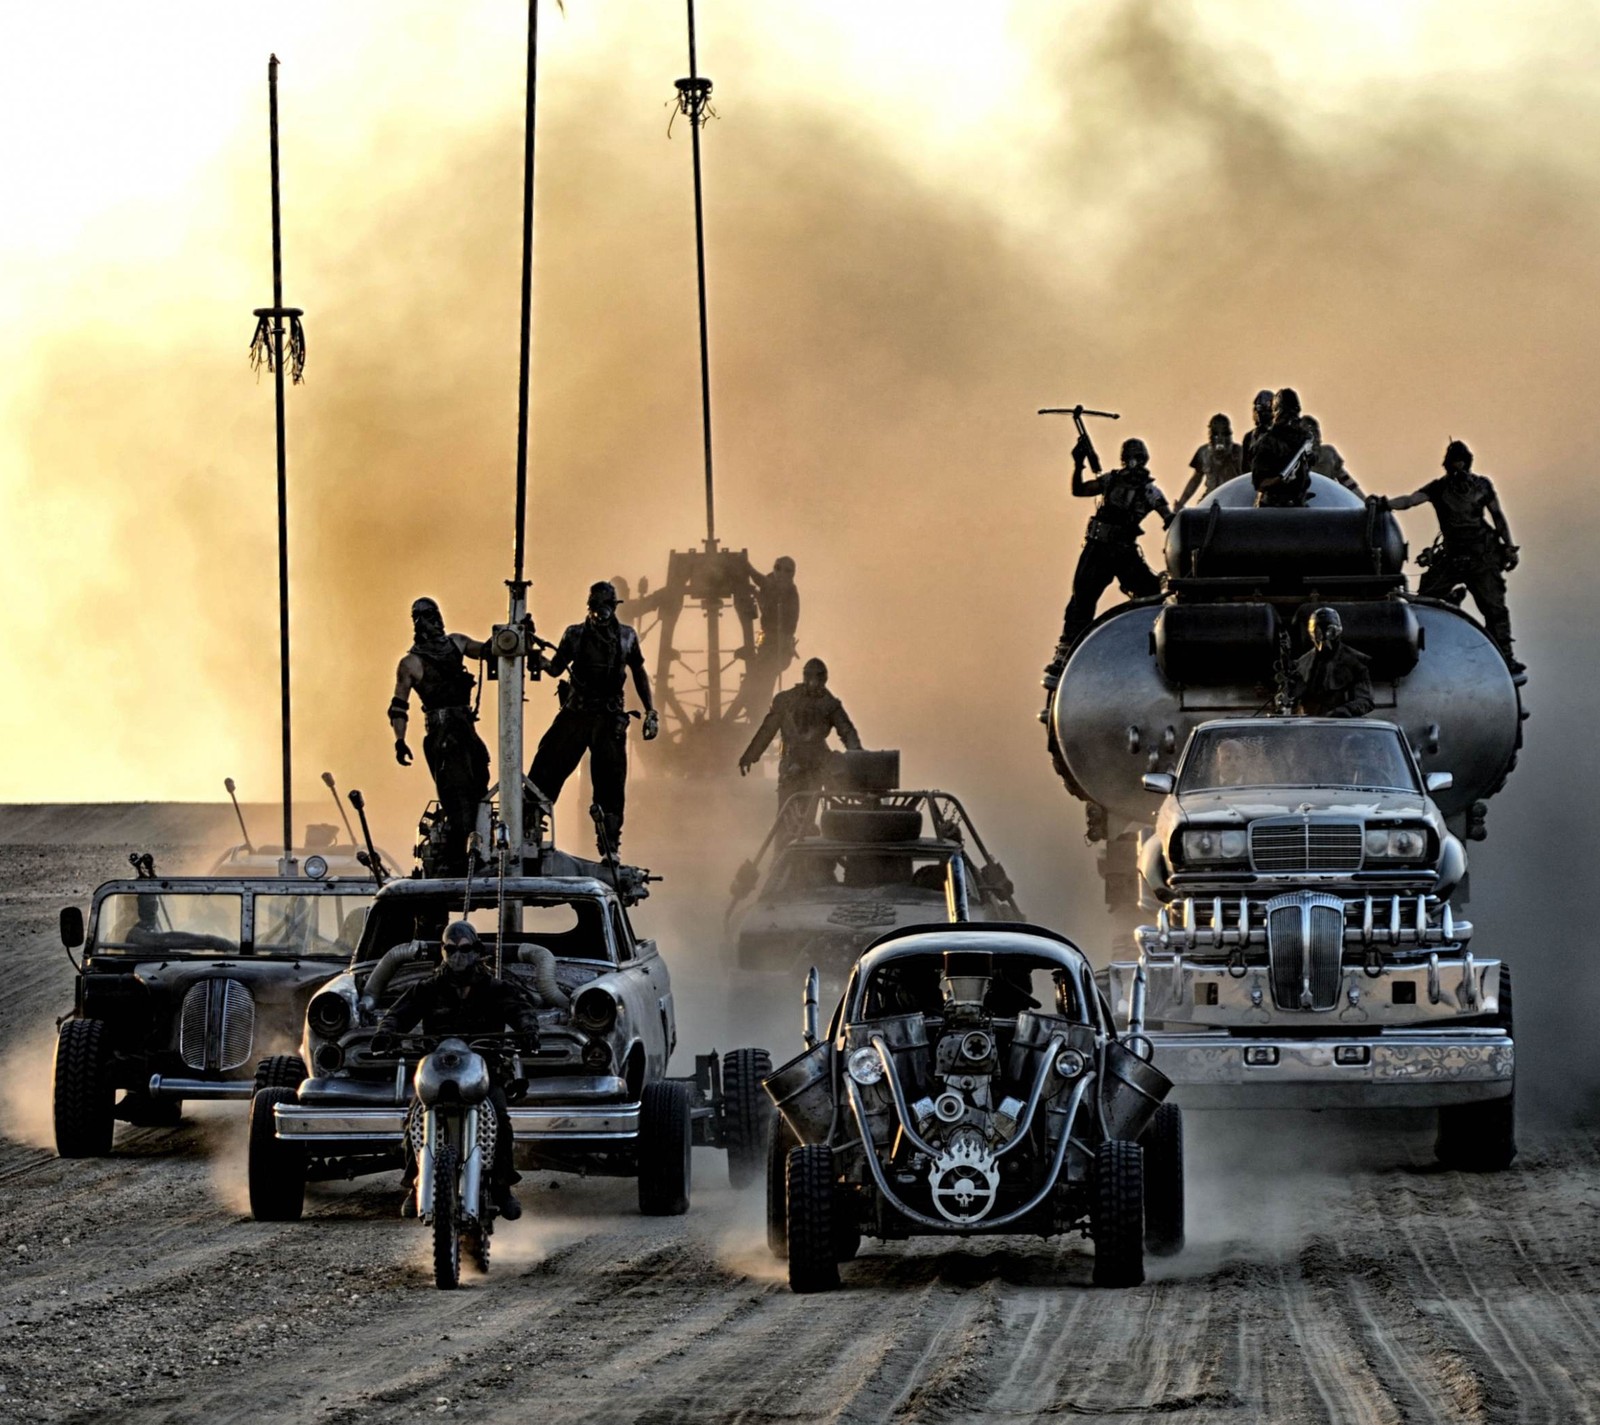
1473,553
802,716
463,998
1261,416
1331,680
597,655
436,668
1214,463
1128,496
1280,464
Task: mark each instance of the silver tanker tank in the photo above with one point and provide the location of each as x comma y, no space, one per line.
1240,582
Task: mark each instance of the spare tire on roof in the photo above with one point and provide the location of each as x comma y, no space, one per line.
872,824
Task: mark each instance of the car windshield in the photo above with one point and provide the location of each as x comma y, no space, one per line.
1293,754
571,929
160,923
802,871
295,925
917,985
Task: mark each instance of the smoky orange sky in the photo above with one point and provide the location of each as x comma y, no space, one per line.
924,221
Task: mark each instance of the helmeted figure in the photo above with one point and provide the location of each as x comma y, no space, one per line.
1331,678
778,604
1325,458
596,655
1128,496
464,997
1214,463
1281,480
436,668
1469,553
802,716
1261,415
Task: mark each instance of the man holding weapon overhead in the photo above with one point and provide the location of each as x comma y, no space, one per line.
1127,497
436,668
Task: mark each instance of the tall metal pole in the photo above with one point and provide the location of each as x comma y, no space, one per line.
512,647
270,328
694,94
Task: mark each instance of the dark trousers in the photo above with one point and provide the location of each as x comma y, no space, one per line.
604,736
459,764
801,818
1100,563
1484,581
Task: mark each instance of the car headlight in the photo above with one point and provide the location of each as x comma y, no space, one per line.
595,1011
864,1066
329,1014
1396,843
1213,845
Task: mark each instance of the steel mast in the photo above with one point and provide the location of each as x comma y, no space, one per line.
267,346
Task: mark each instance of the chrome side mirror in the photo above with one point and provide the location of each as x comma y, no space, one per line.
1439,781
1161,783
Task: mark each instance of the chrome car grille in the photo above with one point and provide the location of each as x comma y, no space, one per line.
1305,948
217,1025
1302,844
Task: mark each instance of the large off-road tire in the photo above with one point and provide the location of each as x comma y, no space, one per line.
1163,1182
1116,1214
813,1246
664,1142
277,1170
85,1099
446,1225
476,1242
281,1071
1482,1137
747,1113
779,1146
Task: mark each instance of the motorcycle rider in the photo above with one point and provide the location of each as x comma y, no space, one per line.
464,997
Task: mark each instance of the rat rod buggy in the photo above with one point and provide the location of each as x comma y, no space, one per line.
186,983
593,1098
869,858
972,1082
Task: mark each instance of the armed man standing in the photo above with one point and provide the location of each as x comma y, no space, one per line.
436,668
803,715
1261,417
1279,465
1469,552
1111,545
1331,679
1214,463
597,655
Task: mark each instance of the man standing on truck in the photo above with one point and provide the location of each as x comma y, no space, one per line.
1214,463
1279,466
436,668
1468,552
1128,496
803,716
778,602
1261,414
597,655
1331,679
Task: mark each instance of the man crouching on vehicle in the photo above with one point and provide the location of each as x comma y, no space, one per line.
465,997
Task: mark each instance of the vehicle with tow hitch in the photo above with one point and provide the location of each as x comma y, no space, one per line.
971,1081
191,988
594,1097
1306,952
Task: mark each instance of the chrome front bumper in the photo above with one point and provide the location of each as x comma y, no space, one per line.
1419,1068
300,1124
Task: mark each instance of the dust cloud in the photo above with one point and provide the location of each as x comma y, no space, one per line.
1198,226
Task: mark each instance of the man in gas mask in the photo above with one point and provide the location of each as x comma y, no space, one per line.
1111,544
778,601
1279,465
1469,552
1325,458
1261,414
1214,463
596,655
802,716
436,668
463,998
1331,678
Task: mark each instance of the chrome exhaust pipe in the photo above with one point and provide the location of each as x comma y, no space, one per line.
198,1090
810,1027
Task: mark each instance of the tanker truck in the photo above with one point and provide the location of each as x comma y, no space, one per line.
1287,891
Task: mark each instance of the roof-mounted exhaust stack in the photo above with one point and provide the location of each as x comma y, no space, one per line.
955,890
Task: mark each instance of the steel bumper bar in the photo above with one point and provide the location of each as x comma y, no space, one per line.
164,1086
1393,1069
301,1123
